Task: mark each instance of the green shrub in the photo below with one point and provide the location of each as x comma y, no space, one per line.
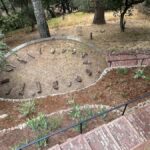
123,71
78,114
139,74
10,23
27,108
43,125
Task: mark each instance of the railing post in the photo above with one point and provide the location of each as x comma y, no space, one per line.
124,110
81,129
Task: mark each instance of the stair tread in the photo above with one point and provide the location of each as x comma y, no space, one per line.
140,120
77,143
143,146
123,132
100,139
56,147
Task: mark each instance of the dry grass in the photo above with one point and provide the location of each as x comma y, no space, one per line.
106,37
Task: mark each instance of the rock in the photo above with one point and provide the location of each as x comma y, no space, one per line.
86,62
53,51
64,50
3,116
69,84
84,55
89,72
102,31
56,85
74,51
9,69
78,79
4,81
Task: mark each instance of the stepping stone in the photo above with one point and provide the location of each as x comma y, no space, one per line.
140,120
78,79
86,62
52,51
4,81
124,133
22,61
89,72
56,85
74,51
69,84
101,139
57,147
84,55
64,50
77,143
9,69
8,92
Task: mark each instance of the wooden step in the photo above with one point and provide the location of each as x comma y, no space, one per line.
140,120
101,139
124,134
77,143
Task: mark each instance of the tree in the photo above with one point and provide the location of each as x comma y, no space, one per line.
40,18
99,16
4,7
124,7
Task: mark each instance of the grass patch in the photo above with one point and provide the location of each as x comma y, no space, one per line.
70,20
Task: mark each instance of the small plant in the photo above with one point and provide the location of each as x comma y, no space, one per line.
42,126
79,114
27,108
123,71
18,145
139,74
102,110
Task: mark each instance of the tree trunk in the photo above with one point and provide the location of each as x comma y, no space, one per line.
122,23
4,7
99,17
40,18
12,6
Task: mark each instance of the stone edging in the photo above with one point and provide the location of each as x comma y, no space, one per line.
60,112
72,38
106,70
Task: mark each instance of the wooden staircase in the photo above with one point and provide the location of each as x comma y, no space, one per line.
131,132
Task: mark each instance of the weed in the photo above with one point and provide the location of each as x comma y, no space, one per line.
123,71
139,74
27,108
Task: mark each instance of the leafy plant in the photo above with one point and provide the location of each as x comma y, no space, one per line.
18,145
79,114
42,125
123,71
139,74
27,108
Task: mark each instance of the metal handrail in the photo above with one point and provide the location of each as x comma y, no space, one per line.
86,120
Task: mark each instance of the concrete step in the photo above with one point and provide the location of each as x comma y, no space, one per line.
144,146
140,120
77,143
101,139
124,134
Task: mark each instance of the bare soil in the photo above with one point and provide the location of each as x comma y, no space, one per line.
53,61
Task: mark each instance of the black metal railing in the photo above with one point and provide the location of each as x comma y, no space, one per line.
80,124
